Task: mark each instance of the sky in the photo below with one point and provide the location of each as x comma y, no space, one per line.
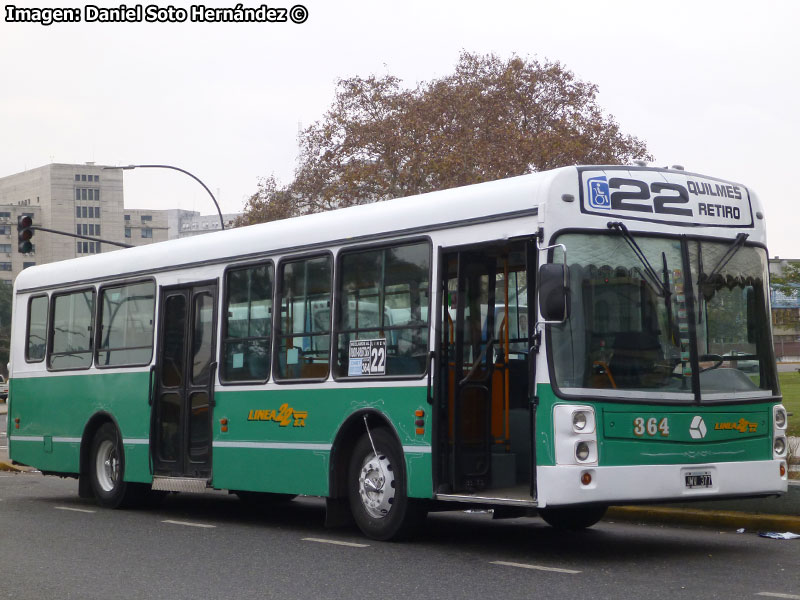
710,85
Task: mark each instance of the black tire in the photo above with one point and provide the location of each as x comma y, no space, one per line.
107,471
377,489
573,518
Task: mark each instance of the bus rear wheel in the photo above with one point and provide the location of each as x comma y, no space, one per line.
377,489
107,471
573,518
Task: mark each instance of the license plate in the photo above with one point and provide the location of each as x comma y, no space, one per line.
698,480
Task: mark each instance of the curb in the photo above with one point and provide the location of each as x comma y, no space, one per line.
729,519
7,466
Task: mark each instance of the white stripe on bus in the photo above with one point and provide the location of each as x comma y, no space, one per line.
273,445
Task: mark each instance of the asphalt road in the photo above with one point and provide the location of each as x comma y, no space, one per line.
54,545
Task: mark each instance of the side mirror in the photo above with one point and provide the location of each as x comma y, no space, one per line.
554,292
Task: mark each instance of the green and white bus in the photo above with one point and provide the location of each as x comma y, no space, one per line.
554,343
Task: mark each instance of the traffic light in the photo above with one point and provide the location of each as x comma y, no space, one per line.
24,233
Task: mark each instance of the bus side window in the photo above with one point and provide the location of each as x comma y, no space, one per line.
126,325
72,330
303,327
248,324
36,338
383,297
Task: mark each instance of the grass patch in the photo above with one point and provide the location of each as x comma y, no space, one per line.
790,388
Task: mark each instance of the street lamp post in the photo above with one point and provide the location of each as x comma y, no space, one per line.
197,179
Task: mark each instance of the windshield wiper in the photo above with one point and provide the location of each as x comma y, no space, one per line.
705,283
661,287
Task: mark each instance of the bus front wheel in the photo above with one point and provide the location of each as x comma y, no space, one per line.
377,489
107,470
573,518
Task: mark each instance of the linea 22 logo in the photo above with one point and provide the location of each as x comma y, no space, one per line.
599,195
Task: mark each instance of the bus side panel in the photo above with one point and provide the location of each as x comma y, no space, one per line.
279,440
53,413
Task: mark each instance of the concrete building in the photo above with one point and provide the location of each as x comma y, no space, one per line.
81,199
143,226
85,200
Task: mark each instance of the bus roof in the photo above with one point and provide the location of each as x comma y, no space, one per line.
515,196
422,212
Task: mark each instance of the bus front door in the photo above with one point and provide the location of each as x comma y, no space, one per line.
468,328
185,373
484,374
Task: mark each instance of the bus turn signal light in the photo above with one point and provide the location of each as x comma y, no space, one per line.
419,413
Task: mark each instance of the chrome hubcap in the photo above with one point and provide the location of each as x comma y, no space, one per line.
107,465
376,486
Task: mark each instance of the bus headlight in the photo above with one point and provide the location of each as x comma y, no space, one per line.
779,446
575,436
780,417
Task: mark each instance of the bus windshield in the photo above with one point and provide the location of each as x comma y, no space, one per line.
655,331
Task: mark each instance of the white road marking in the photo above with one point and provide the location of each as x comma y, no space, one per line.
777,595
535,567
188,524
82,510
336,542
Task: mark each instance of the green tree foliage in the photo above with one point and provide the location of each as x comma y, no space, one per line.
490,119
788,281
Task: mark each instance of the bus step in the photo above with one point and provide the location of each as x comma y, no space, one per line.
180,484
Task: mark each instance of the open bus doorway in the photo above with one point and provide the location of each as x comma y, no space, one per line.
484,392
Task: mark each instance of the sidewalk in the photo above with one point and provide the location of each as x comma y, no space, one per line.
764,514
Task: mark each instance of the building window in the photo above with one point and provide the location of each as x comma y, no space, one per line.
97,177
127,217
78,211
84,212
127,232
97,247
84,194
5,215
97,229
91,228
5,266
147,232
85,229
97,208
91,212
79,247
5,229
91,247
83,177
78,229
147,218
77,177
77,193
25,265
85,247
5,247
